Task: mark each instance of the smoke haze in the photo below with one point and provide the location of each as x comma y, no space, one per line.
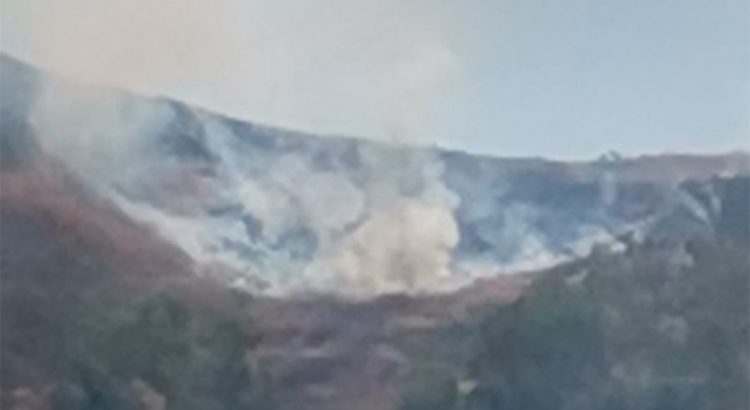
308,65
393,233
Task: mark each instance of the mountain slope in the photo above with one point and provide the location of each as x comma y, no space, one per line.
282,212
369,275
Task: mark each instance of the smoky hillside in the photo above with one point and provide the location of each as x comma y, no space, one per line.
282,212
158,256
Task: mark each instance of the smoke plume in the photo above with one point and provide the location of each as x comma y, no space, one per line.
271,218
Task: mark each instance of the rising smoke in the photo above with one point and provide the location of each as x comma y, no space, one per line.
314,229
367,68
272,221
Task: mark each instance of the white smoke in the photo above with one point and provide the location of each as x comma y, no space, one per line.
403,249
367,68
99,132
376,66
392,232
389,228
291,193
405,240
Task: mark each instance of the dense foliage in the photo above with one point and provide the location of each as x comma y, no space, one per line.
660,327
81,334
151,354
192,361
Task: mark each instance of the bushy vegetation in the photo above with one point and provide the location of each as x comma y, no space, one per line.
159,348
81,334
662,327
193,361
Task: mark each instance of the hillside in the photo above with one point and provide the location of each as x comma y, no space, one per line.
154,255
280,212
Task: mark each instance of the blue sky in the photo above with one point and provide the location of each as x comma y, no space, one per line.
563,79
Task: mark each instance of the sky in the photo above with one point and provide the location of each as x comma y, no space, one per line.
555,78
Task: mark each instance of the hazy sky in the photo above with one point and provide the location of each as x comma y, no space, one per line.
560,78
